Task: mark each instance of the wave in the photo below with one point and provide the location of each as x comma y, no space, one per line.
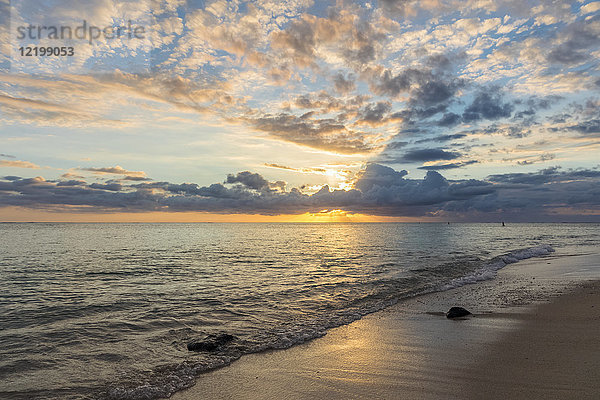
168,379
490,269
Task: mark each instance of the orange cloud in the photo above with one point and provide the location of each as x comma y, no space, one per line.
18,164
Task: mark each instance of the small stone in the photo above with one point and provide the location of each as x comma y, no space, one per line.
457,312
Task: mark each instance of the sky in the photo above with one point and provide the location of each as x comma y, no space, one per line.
301,111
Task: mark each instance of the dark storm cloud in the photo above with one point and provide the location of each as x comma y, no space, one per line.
580,38
39,193
422,155
426,87
552,174
516,131
414,116
534,104
390,189
325,102
365,53
298,40
344,84
442,138
378,190
589,127
354,40
114,187
396,8
392,85
438,61
449,119
378,175
341,130
488,105
544,157
550,194
582,118
396,145
375,113
72,182
135,178
250,180
567,55
326,134
435,91
440,167
431,89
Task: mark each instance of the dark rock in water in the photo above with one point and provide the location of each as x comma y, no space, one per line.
210,342
457,312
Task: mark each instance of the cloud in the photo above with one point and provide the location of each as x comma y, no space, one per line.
344,84
310,38
135,178
7,155
443,138
435,91
590,8
398,8
579,38
532,160
421,155
70,175
547,175
18,164
250,180
310,170
44,113
449,119
377,190
375,114
590,127
487,105
426,87
326,134
342,77
113,187
439,167
114,170
376,175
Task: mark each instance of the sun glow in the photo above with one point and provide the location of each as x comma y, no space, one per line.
18,214
335,216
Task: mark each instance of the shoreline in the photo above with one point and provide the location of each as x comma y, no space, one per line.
409,349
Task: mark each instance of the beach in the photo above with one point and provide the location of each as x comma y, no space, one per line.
533,335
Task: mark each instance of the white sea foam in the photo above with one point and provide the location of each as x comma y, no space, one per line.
490,269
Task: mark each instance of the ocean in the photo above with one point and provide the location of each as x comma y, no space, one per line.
106,311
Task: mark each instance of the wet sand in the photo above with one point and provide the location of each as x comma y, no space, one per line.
533,335
555,353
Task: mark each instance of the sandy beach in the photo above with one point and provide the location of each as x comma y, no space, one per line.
533,335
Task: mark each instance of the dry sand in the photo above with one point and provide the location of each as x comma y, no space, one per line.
534,335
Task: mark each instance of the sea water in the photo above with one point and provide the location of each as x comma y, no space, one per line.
106,310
